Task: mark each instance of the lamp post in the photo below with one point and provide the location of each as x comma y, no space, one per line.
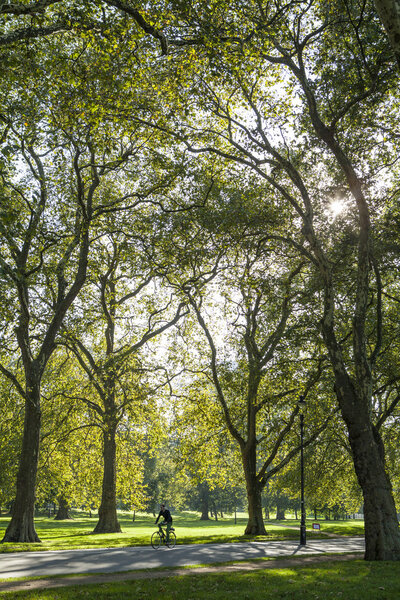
301,403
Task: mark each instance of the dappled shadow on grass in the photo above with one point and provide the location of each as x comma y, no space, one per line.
351,530
78,533
334,581
76,542
90,540
348,527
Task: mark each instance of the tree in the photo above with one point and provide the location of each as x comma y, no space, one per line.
301,151
70,467
36,255
389,13
45,228
119,302
252,86
253,295
68,157
207,462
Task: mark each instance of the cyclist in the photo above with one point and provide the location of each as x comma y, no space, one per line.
167,519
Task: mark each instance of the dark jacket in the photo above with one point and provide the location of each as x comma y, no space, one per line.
166,515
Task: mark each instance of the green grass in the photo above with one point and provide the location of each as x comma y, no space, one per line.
350,527
77,533
334,581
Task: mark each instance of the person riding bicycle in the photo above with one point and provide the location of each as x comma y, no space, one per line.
166,515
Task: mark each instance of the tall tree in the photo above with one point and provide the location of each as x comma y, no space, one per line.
119,284
277,113
36,255
60,157
45,228
253,382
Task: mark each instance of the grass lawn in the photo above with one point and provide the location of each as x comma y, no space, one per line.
336,580
77,532
349,527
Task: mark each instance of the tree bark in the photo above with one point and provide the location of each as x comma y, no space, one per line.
382,536
215,512
382,540
389,14
63,509
204,503
280,513
108,519
255,524
21,527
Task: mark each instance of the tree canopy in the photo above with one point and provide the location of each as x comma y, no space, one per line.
198,224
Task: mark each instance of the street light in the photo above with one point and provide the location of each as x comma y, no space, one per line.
302,404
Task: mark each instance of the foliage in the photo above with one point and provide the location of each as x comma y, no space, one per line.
78,531
297,582
193,153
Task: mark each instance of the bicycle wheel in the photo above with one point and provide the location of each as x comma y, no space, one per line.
172,540
156,540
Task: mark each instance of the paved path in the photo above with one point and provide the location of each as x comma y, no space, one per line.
111,560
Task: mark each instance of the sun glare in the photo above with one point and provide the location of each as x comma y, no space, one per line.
336,207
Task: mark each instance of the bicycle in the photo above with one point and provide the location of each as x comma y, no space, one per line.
159,538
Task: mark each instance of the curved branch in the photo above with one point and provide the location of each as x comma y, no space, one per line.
14,381
141,21
234,432
30,33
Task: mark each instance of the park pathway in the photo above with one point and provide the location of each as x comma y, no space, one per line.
111,560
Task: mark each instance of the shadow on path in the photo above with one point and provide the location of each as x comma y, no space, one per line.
39,584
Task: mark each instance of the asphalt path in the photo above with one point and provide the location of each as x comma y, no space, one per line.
111,560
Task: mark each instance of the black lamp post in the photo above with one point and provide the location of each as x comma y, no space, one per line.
302,405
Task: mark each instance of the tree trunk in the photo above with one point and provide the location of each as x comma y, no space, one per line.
204,503
215,511
108,520
280,513
63,509
255,524
21,527
382,536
